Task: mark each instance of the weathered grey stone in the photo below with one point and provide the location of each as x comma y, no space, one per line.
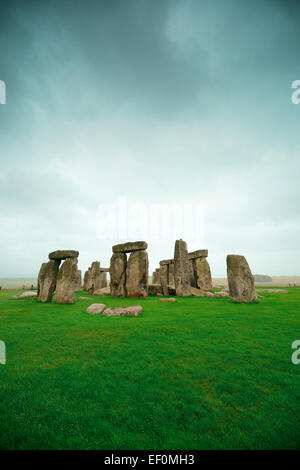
25,295
129,247
86,280
155,277
95,277
172,290
163,278
166,261
66,282
193,276
202,274
96,308
198,254
102,291
197,292
137,274
63,254
47,279
132,311
118,263
171,278
154,289
240,279
78,281
104,270
181,269
102,279
169,299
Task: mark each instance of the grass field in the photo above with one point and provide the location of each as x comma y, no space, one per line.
201,373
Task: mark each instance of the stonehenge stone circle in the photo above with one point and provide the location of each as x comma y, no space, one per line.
137,274
181,269
66,282
129,278
240,280
47,280
118,263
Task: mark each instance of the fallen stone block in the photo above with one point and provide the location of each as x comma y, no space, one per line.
96,308
132,311
24,295
103,291
170,299
198,292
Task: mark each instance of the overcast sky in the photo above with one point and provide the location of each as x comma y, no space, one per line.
118,111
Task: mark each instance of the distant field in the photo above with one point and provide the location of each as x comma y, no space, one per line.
200,373
279,281
17,283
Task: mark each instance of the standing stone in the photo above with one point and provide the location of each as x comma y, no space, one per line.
181,269
102,279
155,277
78,281
163,279
202,274
137,274
47,279
117,270
193,276
240,279
86,279
66,282
93,277
171,275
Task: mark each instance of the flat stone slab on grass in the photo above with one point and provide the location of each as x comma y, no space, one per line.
25,295
84,298
197,292
102,291
96,308
131,311
273,291
129,247
63,254
170,299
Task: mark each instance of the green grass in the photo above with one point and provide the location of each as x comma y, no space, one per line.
201,373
